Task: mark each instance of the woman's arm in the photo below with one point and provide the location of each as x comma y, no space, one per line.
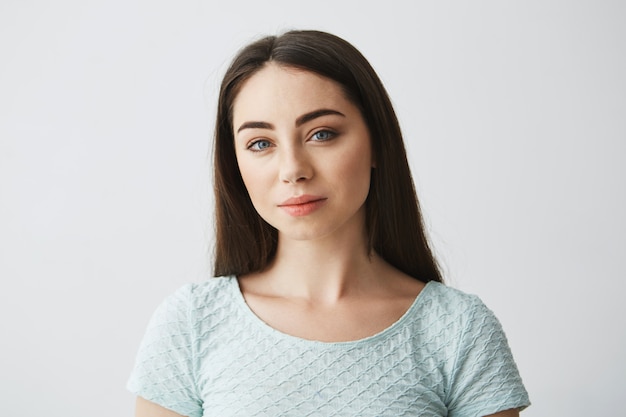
145,408
508,413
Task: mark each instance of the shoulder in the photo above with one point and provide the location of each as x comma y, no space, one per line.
452,317
209,289
195,299
167,363
447,302
200,292
474,318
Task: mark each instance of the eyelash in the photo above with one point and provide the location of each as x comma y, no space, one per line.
254,146
331,135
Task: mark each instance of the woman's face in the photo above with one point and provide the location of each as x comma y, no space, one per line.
304,153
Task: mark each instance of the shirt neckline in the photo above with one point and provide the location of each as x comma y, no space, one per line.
261,325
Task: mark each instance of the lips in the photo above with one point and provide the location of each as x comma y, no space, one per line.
302,205
303,199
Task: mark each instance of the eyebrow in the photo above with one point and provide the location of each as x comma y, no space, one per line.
315,114
307,117
255,125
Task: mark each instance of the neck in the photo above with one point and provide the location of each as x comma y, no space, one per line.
324,269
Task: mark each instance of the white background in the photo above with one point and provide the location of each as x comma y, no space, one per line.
514,115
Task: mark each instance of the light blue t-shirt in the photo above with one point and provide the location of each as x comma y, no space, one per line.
205,353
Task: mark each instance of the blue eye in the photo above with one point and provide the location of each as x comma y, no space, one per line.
259,145
323,135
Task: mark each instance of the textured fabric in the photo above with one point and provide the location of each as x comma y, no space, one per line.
205,353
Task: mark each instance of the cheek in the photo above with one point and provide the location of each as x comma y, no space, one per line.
249,180
254,182
354,168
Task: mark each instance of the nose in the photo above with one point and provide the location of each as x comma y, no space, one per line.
295,165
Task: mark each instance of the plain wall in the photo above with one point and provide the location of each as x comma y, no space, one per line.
514,115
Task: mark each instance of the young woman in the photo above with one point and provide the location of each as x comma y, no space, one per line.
329,301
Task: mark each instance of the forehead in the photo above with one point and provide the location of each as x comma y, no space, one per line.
286,92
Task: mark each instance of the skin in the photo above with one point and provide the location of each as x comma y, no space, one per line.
301,150
297,134
323,284
146,408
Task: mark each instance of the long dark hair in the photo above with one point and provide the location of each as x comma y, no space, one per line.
245,242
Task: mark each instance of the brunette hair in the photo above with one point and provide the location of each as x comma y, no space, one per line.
245,242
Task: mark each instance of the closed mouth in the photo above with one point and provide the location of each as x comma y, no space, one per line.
300,200
303,205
